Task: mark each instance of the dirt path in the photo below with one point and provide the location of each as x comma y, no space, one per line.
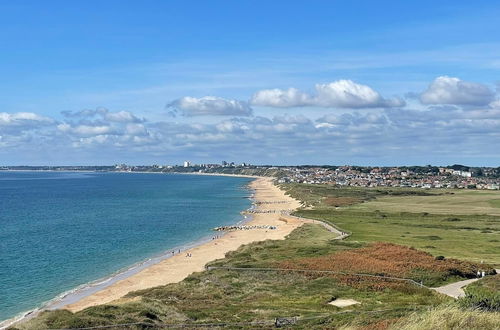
454,290
330,228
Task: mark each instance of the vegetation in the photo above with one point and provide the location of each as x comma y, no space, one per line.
483,295
448,318
397,242
231,296
388,259
472,237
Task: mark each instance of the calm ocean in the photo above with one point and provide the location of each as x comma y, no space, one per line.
62,230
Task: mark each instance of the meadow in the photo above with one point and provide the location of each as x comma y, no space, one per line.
463,202
409,217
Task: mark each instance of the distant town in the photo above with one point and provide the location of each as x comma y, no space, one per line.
451,177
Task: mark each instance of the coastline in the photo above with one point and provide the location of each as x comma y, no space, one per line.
179,266
165,268
87,289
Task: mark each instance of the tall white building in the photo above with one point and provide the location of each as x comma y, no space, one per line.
187,164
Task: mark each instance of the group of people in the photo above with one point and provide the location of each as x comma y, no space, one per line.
271,202
226,228
267,211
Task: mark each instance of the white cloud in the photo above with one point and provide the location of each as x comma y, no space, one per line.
122,117
495,104
85,130
337,94
348,94
22,119
450,90
280,98
210,106
293,138
104,114
86,113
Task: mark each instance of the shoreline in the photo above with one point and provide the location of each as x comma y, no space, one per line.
166,268
179,266
84,290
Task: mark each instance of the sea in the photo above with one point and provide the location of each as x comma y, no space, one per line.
65,232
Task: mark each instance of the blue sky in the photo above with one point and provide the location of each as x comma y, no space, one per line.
281,82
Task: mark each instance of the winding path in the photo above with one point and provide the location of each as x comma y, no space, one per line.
329,227
454,290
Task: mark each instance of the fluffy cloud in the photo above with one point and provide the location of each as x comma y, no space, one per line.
85,130
450,90
122,117
495,104
23,119
280,98
103,113
210,106
337,94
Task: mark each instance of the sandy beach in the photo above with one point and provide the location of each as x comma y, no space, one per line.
267,197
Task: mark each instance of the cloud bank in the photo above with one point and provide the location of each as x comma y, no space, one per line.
209,106
338,94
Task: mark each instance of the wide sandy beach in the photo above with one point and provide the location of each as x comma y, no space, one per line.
179,266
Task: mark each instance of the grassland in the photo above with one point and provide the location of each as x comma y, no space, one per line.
462,202
391,215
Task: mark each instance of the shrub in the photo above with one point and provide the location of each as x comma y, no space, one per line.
484,295
389,260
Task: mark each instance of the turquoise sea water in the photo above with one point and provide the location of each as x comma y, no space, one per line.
62,230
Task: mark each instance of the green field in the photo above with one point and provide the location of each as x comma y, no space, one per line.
453,202
392,215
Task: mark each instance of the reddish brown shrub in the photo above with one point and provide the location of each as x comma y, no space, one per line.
385,259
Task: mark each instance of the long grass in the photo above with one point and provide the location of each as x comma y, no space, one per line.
449,318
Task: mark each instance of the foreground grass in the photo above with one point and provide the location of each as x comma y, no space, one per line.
471,237
448,318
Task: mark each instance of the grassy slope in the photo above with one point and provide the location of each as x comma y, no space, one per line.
244,296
